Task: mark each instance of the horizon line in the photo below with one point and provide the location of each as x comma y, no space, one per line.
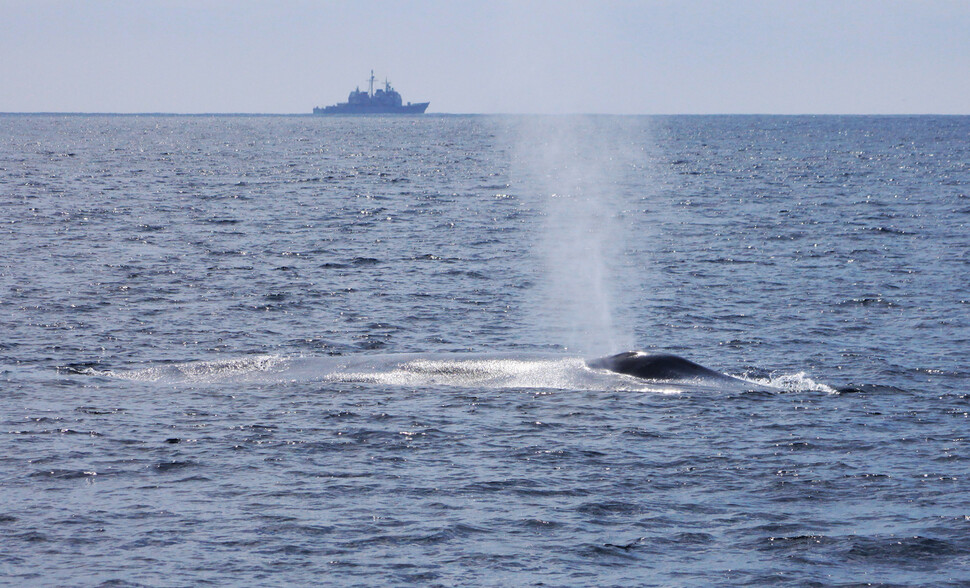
434,114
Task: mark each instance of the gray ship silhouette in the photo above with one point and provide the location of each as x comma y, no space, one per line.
382,101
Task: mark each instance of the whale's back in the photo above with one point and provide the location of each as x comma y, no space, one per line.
655,366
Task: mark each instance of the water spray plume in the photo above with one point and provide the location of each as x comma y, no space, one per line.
570,166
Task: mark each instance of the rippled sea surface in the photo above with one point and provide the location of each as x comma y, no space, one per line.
298,350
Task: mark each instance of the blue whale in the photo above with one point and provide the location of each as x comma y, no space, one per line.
657,366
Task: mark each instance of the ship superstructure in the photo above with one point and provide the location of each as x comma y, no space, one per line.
384,100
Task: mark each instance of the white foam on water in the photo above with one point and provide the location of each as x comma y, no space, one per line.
427,370
792,383
201,371
559,374
398,370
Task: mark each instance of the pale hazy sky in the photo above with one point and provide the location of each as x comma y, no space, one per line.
648,56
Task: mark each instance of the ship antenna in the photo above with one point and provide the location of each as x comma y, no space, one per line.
371,93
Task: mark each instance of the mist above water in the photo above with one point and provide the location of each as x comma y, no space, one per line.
572,168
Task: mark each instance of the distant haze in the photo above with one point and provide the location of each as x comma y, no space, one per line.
622,57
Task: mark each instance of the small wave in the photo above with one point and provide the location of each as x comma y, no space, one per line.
63,474
901,549
98,411
868,301
870,389
890,231
174,465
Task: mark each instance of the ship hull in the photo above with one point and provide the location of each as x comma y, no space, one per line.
345,108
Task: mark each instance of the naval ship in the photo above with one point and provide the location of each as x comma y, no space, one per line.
381,101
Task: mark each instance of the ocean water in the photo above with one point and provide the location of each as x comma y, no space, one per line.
350,351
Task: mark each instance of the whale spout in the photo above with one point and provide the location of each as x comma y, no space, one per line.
656,366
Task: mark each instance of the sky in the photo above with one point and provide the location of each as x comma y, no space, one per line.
500,56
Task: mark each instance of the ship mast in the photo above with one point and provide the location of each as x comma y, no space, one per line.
371,91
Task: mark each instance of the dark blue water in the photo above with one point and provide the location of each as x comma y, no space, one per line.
285,350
